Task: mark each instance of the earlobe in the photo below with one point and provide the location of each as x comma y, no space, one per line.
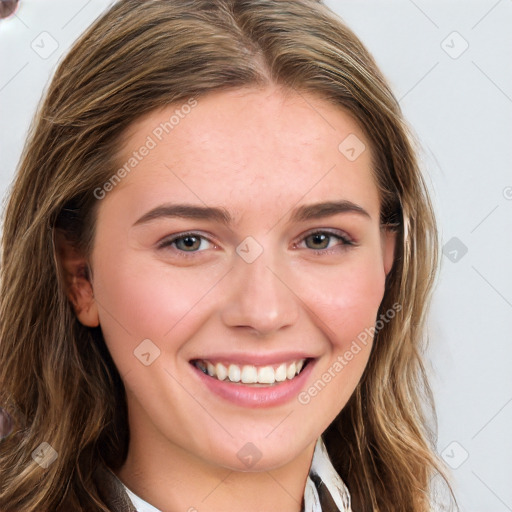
81,295
74,271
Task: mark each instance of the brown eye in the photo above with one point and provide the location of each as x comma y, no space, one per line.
184,244
321,240
188,242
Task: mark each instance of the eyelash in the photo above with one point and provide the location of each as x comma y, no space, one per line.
346,241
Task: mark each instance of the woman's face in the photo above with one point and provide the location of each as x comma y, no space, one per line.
214,254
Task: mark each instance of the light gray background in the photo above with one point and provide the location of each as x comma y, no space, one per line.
459,103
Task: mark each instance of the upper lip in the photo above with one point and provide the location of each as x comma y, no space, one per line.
254,359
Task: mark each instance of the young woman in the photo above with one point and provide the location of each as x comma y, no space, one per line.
217,258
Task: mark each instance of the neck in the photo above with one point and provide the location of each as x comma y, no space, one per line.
173,479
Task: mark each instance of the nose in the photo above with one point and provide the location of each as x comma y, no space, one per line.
260,298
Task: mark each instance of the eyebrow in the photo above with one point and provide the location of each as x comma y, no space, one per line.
221,215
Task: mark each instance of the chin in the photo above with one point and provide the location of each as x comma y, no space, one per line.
259,454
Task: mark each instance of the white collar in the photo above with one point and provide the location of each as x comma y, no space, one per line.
139,503
320,465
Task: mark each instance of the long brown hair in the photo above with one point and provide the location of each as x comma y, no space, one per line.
57,378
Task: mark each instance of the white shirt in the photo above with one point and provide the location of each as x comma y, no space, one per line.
320,465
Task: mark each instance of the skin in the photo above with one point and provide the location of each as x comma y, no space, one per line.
258,153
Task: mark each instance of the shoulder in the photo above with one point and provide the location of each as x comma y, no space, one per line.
111,490
108,487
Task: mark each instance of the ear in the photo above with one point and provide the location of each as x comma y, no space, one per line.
75,273
388,238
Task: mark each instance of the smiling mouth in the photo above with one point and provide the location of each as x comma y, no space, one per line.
250,374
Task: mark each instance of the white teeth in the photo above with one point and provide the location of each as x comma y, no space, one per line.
290,371
250,374
266,375
280,373
221,371
234,373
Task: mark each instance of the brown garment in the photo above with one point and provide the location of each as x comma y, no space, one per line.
112,491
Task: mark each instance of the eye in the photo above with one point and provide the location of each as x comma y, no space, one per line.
184,243
321,241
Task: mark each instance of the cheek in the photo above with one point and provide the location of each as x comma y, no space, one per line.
129,305
342,301
345,298
140,299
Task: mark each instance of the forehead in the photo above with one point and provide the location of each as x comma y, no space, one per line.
259,147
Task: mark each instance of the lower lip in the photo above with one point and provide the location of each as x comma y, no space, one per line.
264,396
